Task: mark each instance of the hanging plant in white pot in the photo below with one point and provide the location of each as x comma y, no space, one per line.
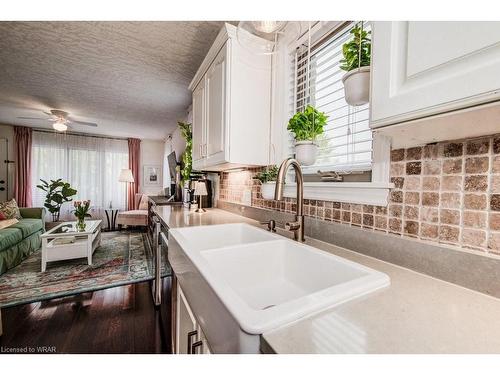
306,127
268,177
356,61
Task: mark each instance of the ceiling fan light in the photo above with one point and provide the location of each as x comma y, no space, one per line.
60,126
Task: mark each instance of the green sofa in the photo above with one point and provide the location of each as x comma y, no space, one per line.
20,240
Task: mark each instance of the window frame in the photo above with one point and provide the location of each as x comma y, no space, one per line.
375,192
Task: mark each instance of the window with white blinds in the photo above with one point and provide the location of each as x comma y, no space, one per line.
346,144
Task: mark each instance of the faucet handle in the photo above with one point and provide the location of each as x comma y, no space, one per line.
271,225
291,226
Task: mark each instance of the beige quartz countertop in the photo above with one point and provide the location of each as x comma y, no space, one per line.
415,314
178,217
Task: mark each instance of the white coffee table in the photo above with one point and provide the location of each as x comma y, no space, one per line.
84,245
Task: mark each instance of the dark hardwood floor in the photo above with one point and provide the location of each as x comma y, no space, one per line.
115,320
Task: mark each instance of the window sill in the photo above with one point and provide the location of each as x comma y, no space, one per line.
373,193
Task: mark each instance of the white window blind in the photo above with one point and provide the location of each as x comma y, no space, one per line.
346,144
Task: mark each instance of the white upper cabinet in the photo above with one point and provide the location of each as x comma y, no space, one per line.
216,108
199,119
231,106
422,69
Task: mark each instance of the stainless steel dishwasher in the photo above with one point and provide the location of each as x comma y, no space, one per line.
157,253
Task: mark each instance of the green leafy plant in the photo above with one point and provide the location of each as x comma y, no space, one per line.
187,156
58,192
351,50
307,125
270,174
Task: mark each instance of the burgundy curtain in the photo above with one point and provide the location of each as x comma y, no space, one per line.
22,149
134,152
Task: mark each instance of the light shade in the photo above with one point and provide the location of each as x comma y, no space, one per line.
60,126
126,176
200,188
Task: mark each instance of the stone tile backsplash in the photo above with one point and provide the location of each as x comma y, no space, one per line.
447,193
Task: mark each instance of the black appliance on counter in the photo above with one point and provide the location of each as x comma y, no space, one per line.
206,200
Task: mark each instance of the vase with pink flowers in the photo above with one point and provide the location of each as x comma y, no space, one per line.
81,211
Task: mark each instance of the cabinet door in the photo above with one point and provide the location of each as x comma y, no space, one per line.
216,108
186,326
425,68
199,127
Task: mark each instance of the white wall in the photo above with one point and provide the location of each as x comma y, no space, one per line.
151,154
7,131
175,143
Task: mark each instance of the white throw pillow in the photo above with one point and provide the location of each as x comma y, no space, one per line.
143,204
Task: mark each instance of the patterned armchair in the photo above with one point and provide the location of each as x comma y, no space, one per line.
137,217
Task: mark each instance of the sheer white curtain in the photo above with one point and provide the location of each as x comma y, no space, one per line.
90,164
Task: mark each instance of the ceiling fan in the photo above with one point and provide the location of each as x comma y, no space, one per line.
60,119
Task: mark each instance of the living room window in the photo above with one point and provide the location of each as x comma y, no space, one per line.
90,164
346,145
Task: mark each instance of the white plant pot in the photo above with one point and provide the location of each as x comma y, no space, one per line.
357,86
267,190
306,152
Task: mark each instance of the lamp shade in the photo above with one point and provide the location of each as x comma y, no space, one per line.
126,176
200,188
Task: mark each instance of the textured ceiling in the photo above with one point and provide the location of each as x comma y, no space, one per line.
129,77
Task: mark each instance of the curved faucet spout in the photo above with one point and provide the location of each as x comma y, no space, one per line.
298,226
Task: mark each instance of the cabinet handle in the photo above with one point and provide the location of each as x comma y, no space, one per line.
190,338
197,344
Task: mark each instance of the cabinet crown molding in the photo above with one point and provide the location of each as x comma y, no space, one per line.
227,31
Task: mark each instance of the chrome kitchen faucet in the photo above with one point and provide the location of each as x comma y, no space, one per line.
297,227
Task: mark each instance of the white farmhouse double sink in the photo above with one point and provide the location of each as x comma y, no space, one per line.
242,281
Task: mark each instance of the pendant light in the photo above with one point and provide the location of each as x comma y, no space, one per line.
266,37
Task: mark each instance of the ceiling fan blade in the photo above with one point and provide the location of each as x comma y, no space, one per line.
33,118
83,123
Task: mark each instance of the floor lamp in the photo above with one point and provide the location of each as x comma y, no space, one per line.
127,177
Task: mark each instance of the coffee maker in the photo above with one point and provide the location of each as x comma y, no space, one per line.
189,197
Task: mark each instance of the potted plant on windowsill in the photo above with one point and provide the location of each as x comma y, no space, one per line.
268,178
356,62
306,127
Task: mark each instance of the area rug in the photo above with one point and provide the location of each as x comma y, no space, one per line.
123,258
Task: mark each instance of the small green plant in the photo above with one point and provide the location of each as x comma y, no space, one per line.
270,174
307,125
187,156
351,50
58,192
